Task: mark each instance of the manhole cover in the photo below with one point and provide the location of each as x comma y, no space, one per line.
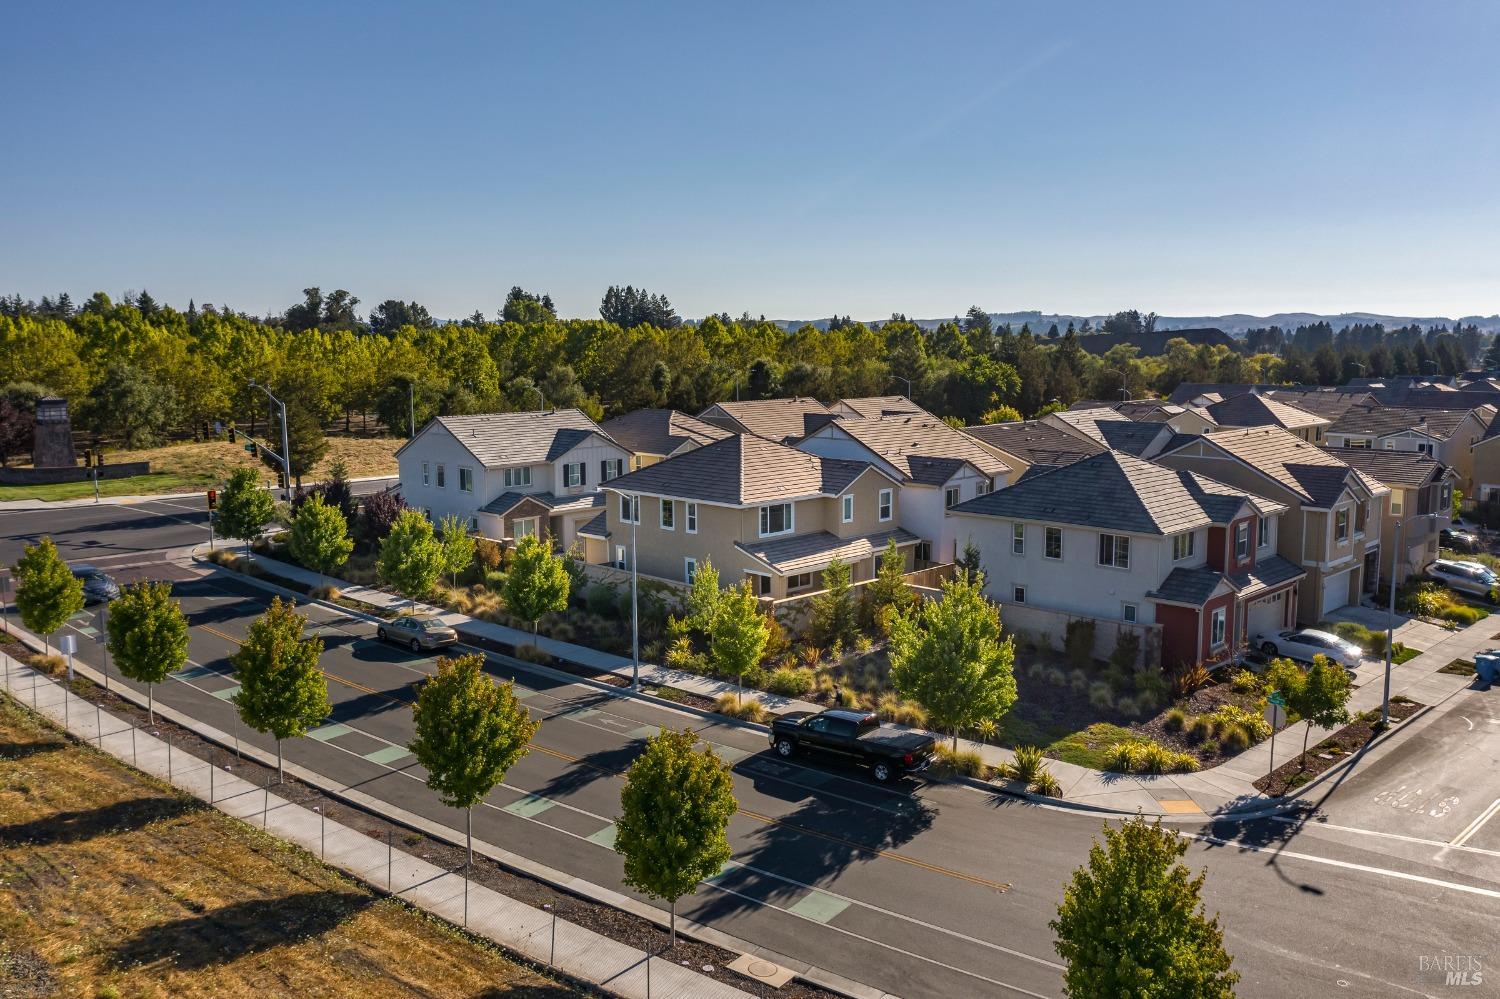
762,969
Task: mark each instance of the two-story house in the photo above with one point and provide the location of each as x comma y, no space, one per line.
1421,500
1327,529
782,421
938,468
1107,428
1118,539
652,435
509,475
1031,447
1448,436
763,512
1252,409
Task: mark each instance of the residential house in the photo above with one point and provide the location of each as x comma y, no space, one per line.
1251,409
938,468
1445,435
877,406
1421,501
1182,419
1128,542
1031,447
1326,530
763,512
509,475
781,421
1329,403
1105,427
1484,455
652,435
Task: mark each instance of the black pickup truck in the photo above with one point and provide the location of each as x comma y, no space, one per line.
854,736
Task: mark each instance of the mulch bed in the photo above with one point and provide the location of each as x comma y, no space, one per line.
605,920
1331,751
1202,702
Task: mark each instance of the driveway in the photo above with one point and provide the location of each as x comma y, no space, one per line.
1412,633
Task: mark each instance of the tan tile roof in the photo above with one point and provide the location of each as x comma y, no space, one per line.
776,420
1111,429
1401,468
1378,421
1310,472
872,407
660,431
806,552
502,439
1255,410
742,470
923,448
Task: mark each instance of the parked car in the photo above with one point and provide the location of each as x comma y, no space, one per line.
1459,540
1467,577
855,737
417,631
98,587
1305,643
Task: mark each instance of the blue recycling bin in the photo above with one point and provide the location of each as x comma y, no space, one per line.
1487,665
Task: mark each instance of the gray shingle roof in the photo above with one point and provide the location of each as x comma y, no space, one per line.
660,431
776,420
501,439
1254,410
1269,573
1039,444
1327,403
1111,429
1195,586
1401,468
1119,492
596,528
508,501
923,448
806,552
1378,421
1315,476
742,470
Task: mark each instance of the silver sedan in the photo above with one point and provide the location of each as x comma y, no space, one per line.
417,633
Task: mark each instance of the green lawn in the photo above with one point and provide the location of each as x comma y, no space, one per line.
133,485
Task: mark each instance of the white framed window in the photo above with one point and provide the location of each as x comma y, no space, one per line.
1018,539
1360,443
474,523
1114,551
1216,628
442,478
1341,525
950,497
668,515
982,487
524,527
776,519
1360,515
689,568
517,476
1390,445
1445,498
1263,533
465,479
799,581
1018,594
620,562
1396,495
1242,540
1052,543
846,509
690,512
885,504
426,474
1130,613
611,468
1182,546
573,474
630,509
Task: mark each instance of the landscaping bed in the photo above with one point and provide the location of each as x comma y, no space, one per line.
1331,751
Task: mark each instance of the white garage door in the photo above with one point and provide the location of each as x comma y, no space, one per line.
1336,591
1265,615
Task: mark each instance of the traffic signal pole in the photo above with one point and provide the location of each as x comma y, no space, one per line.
285,457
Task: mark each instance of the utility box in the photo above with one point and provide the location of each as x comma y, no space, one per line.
1487,665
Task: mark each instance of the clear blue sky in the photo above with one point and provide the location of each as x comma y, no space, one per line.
794,159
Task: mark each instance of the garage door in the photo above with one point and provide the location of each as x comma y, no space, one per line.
1265,615
1336,591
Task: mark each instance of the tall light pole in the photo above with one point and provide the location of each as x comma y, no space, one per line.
1390,619
907,381
540,396
285,456
635,586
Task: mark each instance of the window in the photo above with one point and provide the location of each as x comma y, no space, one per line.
465,479
573,474
426,475
668,515
1357,442
1018,594
629,509
1341,525
1182,546
611,468
691,510
1242,540
800,581
442,479
1359,519
885,504
1390,445
689,569
513,476
950,497
924,551
1018,539
760,584
846,509
1445,503
981,487
1216,628
1052,543
1129,613
525,527
474,523
775,519
1263,533
1396,495
620,562
1114,550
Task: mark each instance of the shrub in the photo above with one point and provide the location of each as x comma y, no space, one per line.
1101,695
1151,689
532,654
1209,747
960,763
1154,758
1183,763
1047,784
1123,757
680,655
748,709
1036,669
1127,651
669,694
754,677
1078,645
602,599
1129,707
494,580
1078,681
1054,676
1462,614
1028,764
1227,716
1200,728
325,592
1245,682
1175,720
1234,739
893,709
790,682
1190,680
487,554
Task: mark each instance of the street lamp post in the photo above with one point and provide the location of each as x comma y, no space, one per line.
286,455
541,396
907,381
1390,618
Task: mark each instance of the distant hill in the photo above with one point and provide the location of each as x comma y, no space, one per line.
1235,324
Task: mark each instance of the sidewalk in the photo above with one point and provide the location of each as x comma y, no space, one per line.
1226,788
521,929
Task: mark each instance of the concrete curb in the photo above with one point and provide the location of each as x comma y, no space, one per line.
22,505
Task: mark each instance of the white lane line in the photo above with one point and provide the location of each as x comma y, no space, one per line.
1346,865
1307,825
1476,825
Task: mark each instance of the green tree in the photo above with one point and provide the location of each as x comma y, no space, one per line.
1324,699
537,582
1001,414
888,593
704,597
133,403
833,613
148,636
738,634
282,691
674,818
469,732
47,592
244,507
458,545
305,440
950,658
1132,923
320,537
968,563
410,559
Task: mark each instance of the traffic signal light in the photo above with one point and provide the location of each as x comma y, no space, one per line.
88,457
280,480
234,435
213,499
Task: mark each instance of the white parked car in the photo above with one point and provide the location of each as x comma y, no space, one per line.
1306,643
1467,577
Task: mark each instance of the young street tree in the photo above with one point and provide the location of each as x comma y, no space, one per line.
282,691
244,507
1132,923
704,598
949,657
411,559
458,545
320,537
47,592
537,582
889,594
1323,699
470,731
833,614
738,635
674,812
148,636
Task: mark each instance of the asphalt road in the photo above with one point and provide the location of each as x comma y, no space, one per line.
921,890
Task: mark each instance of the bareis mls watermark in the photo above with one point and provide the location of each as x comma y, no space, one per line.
1450,969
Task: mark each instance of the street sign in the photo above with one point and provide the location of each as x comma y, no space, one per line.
68,644
1277,698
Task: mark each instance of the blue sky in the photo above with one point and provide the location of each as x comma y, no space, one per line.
794,159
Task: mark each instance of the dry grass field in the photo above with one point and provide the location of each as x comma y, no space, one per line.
112,885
